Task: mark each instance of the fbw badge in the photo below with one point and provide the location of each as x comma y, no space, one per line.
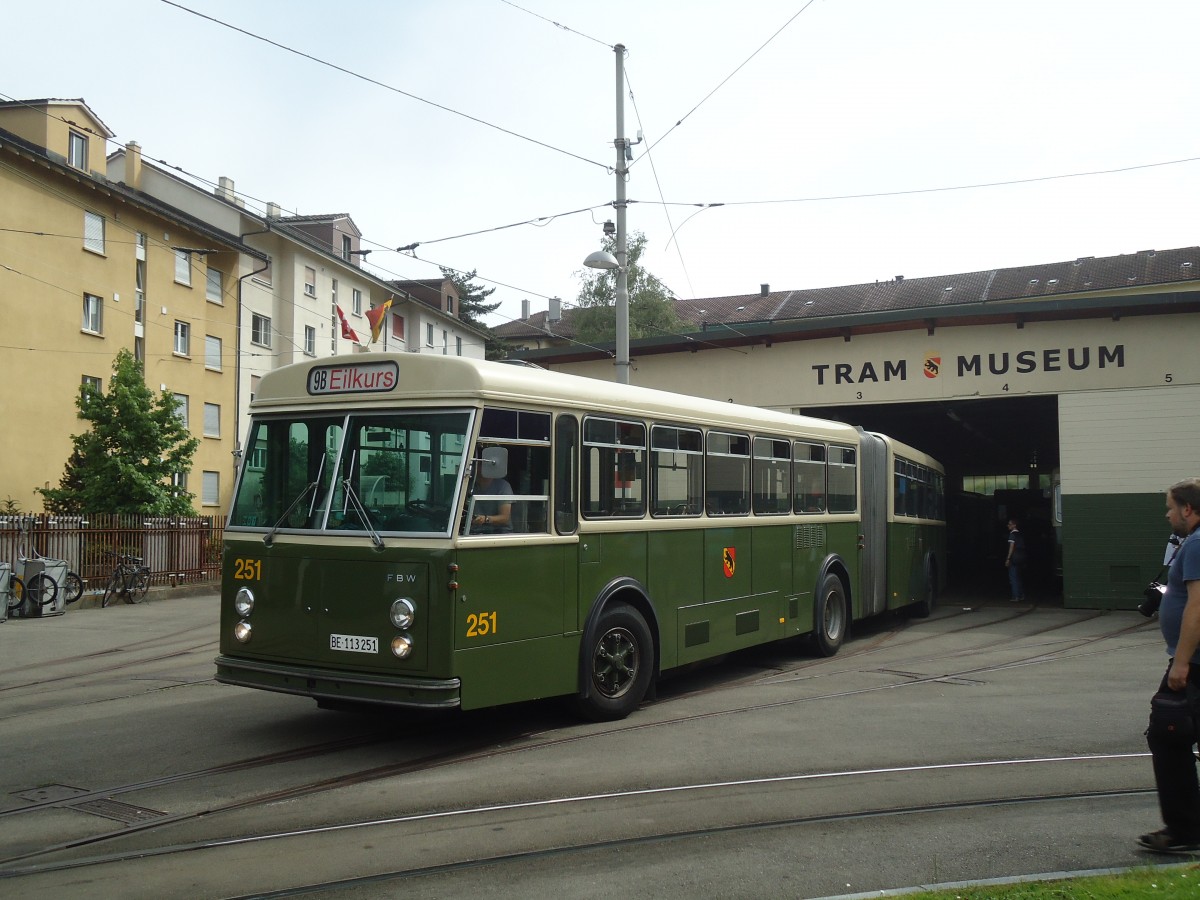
729,560
932,366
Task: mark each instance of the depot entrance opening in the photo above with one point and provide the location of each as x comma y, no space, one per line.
1001,457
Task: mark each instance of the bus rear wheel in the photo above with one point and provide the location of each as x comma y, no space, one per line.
830,616
618,665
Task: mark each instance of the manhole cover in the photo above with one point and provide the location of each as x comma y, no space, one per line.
50,793
118,811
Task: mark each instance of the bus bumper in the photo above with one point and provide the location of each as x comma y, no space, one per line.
320,684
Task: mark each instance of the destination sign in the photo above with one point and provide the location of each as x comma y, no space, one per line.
353,378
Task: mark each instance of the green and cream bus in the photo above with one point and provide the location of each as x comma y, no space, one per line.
429,531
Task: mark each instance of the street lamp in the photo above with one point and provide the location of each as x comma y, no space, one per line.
601,259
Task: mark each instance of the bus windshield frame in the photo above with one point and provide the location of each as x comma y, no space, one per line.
394,471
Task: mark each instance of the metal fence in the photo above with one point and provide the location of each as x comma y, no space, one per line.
177,550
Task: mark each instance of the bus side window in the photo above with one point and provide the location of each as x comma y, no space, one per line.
566,439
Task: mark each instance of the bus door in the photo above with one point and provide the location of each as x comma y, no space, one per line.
872,560
511,604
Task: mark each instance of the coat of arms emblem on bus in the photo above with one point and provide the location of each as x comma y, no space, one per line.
729,560
932,366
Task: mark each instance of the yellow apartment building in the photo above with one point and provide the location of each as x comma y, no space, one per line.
88,267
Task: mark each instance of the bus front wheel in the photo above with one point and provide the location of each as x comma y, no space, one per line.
619,664
830,616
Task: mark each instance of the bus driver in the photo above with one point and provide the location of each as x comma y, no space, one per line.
492,516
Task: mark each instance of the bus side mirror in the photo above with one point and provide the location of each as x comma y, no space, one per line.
495,462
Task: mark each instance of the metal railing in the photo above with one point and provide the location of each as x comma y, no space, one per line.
176,549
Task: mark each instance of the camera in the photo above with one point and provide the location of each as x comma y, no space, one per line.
1153,594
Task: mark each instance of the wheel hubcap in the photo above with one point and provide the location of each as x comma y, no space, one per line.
615,663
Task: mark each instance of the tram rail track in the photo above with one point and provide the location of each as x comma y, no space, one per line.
536,806
512,741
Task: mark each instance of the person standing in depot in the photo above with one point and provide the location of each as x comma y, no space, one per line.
1015,561
1172,736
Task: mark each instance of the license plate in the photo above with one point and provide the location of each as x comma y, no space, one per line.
354,643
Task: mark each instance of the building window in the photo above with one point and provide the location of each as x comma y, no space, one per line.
92,384
181,408
445,344
179,479
310,281
260,330
213,288
347,246
183,267
212,352
450,304
139,294
210,492
254,380
183,338
139,350
77,151
429,335
356,298
93,232
93,314
398,327
458,346
212,420
310,340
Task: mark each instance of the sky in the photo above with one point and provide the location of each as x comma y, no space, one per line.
841,135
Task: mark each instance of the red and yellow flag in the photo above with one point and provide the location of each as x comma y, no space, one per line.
376,317
347,332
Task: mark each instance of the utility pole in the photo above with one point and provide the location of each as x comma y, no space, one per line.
622,254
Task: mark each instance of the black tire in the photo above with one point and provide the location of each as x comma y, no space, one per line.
113,589
923,608
16,592
618,664
72,587
139,584
831,616
41,589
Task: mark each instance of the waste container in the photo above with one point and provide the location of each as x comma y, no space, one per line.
5,590
43,578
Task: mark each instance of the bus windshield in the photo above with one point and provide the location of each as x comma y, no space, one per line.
394,471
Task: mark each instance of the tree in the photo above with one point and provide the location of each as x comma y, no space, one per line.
473,305
131,459
651,312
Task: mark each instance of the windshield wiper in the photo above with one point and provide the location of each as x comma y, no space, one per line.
351,498
312,486
267,538
361,511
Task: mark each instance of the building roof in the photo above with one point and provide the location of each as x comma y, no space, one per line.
1079,286
62,101
119,189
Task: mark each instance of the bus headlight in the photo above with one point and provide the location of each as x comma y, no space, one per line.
241,631
244,602
402,613
402,645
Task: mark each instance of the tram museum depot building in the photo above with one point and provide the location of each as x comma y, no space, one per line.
1066,394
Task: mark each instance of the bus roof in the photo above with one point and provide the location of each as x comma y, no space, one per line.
430,379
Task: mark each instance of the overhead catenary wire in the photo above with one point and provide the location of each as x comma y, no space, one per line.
381,84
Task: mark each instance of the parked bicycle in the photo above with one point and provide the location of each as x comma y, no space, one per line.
130,580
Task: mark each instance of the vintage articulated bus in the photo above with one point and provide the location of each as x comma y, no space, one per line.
428,531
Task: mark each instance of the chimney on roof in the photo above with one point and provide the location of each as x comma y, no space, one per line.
764,289
273,210
555,312
133,165
525,310
899,278
225,189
